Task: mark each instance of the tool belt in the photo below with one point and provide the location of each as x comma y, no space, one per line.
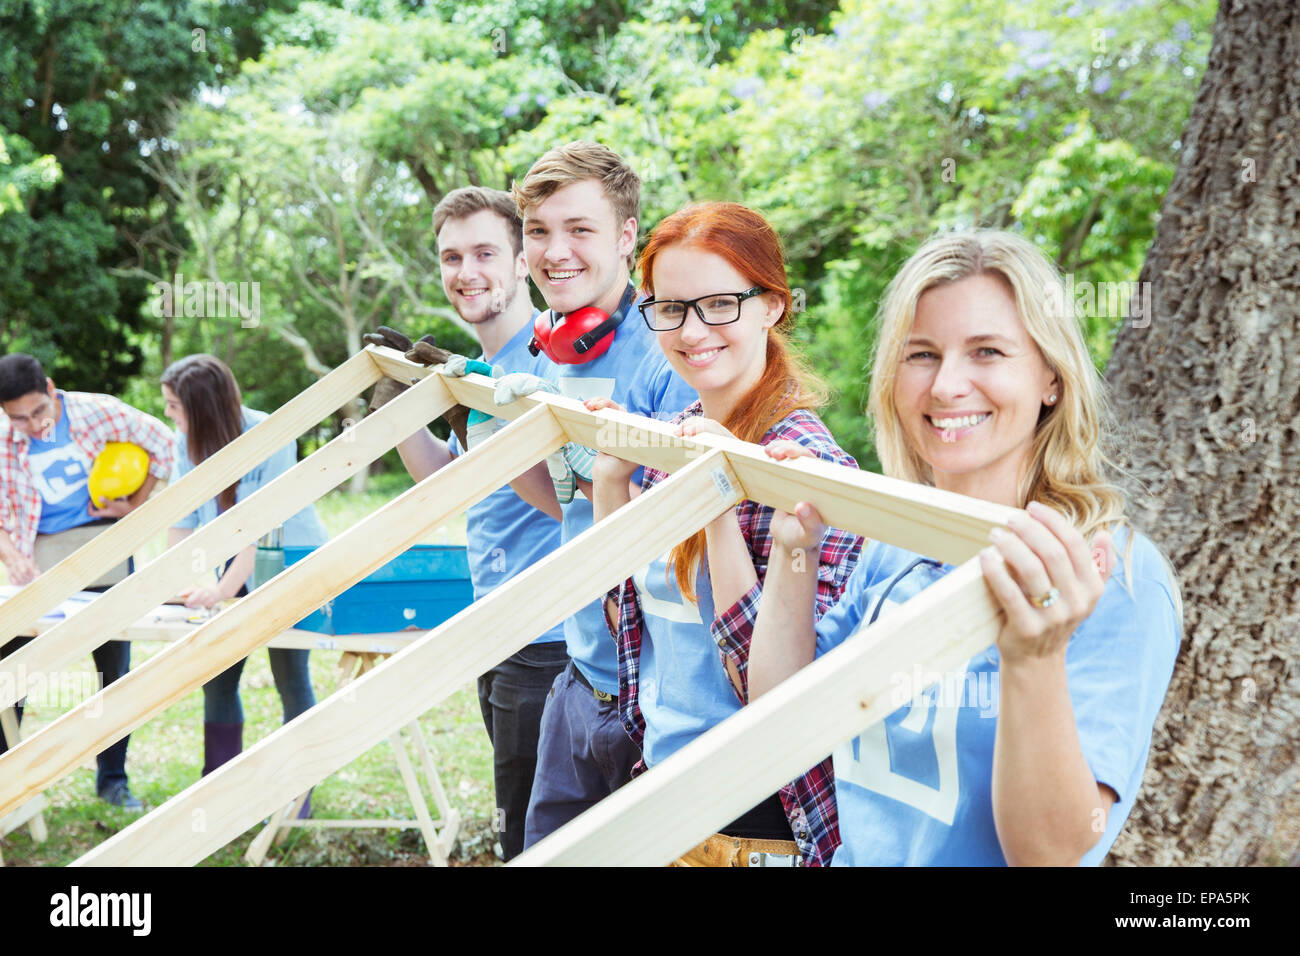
50,549
721,850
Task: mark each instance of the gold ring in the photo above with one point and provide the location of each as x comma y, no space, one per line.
1047,600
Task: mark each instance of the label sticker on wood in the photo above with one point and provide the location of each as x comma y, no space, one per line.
723,483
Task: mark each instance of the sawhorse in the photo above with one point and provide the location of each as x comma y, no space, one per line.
437,840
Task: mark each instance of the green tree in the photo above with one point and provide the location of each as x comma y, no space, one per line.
85,83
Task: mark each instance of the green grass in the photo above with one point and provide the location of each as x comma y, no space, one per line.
166,755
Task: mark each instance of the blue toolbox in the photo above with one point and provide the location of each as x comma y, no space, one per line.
418,589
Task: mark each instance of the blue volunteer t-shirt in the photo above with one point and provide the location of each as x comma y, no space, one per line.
303,529
916,789
505,534
682,686
60,469
635,373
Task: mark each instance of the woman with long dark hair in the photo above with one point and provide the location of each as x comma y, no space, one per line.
720,304
202,398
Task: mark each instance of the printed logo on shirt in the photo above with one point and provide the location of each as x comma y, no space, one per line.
59,472
911,755
910,758
672,605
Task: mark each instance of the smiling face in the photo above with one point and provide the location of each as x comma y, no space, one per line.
174,410
480,272
36,413
577,249
971,386
721,362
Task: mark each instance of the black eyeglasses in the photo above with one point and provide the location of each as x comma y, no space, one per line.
719,308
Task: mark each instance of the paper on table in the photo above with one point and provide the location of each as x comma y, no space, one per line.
72,605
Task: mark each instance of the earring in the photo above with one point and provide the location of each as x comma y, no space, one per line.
1051,399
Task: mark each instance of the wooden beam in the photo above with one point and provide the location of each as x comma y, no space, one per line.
108,549
938,524
175,569
749,756
224,804
288,597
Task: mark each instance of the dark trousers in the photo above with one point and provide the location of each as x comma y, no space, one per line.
583,756
512,696
112,660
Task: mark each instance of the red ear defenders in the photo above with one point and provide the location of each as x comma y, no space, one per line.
580,336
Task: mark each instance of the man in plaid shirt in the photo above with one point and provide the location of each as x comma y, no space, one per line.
48,441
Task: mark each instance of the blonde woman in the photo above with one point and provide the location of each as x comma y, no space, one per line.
1033,753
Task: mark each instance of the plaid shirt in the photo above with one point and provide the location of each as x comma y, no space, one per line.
93,421
810,800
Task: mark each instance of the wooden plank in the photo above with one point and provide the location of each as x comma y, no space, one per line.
168,632
30,814
282,601
126,536
336,731
412,784
749,756
212,544
938,524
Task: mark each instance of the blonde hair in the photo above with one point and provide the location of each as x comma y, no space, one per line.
574,163
1068,469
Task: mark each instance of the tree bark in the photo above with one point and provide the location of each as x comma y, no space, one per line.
1209,395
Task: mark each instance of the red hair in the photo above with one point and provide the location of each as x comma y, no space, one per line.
751,246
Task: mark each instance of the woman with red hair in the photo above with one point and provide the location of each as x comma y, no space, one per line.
720,304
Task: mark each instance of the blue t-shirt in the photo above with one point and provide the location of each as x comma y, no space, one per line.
505,534
916,789
59,469
682,686
303,529
635,373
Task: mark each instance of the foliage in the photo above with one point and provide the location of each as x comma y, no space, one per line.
858,130
83,86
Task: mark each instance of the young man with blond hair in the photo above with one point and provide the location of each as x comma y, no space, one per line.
580,205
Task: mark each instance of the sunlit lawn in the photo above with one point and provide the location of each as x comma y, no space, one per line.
166,756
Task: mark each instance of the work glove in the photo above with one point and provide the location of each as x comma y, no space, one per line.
479,426
570,462
425,352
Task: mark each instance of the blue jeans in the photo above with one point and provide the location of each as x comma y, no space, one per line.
512,696
583,756
221,703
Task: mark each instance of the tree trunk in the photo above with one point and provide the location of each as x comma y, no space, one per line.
1209,393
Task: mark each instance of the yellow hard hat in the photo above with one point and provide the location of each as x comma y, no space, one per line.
119,471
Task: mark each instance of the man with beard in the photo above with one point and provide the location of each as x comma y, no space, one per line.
485,277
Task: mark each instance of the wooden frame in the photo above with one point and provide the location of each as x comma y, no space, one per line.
242,525
438,839
710,475
77,570
275,606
